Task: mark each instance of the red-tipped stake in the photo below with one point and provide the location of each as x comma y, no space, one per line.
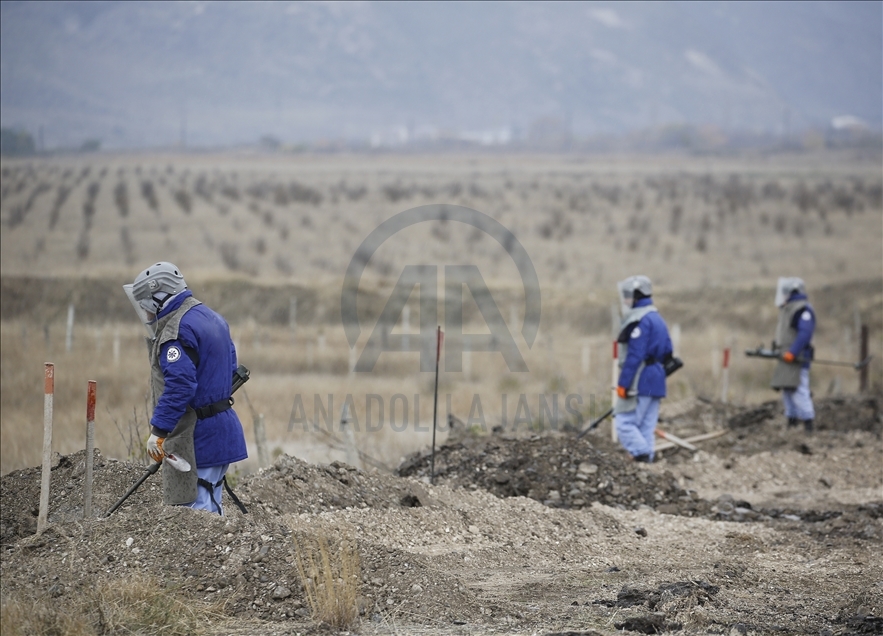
90,448
48,395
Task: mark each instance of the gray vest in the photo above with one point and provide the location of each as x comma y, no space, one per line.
178,487
787,375
630,403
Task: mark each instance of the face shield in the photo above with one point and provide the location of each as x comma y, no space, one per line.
143,316
626,291
785,287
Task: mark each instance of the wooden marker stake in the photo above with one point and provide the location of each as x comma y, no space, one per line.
48,395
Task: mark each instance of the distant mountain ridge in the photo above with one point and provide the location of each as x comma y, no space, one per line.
204,73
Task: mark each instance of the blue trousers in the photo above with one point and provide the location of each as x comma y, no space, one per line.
798,402
213,475
637,429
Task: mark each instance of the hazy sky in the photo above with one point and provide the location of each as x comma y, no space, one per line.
141,74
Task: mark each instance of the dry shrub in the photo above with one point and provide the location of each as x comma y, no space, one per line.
140,605
121,198
184,200
149,194
83,245
137,605
330,572
28,616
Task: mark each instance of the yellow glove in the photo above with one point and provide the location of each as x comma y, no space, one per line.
788,356
154,448
622,392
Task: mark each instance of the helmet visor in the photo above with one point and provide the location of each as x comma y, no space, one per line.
143,316
626,291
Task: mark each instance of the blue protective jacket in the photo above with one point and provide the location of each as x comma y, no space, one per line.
804,323
198,373
649,342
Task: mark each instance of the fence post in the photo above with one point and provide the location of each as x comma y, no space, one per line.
69,336
48,395
586,359
863,355
613,394
90,448
260,440
349,437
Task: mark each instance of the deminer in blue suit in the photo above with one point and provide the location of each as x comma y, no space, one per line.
644,345
797,322
192,359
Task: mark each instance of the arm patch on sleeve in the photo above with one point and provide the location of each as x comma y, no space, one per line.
173,354
636,332
806,315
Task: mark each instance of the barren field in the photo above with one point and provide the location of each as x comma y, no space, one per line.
763,530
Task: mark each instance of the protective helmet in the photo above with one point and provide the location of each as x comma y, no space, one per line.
629,286
787,286
156,284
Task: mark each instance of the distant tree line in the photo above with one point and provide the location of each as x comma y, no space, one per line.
16,142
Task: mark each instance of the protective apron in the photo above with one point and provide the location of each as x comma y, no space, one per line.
178,487
631,320
787,374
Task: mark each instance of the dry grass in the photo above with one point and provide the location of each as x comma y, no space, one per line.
330,573
283,369
29,616
140,605
137,605
121,419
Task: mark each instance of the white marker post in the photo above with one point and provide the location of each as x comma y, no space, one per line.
48,394
260,440
613,393
676,339
586,359
69,336
406,326
353,361
90,449
725,379
349,437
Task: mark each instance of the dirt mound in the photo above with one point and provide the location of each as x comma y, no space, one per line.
20,491
294,486
847,413
763,428
559,471
245,562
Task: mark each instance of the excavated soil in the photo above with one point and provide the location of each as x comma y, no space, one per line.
764,530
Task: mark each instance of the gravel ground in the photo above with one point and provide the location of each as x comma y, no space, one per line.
764,530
